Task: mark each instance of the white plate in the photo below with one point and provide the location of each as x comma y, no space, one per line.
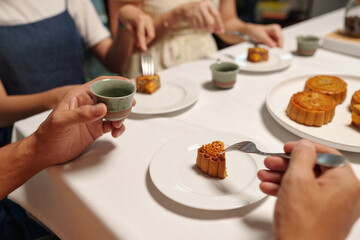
173,171
278,60
338,133
173,95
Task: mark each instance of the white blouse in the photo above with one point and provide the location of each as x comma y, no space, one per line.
88,23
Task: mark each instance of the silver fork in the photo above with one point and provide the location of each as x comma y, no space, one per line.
147,64
324,159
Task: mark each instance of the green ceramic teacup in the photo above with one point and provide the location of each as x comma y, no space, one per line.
307,45
224,74
117,95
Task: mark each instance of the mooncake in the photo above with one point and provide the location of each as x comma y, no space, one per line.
311,108
208,160
332,86
355,99
257,54
148,84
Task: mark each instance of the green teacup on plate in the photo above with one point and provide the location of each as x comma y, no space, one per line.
224,74
117,95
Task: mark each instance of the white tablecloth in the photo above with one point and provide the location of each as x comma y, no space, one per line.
107,192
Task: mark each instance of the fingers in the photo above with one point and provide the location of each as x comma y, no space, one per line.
140,35
107,126
270,176
303,159
150,31
270,181
209,17
268,41
276,34
198,21
269,188
130,29
117,124
273,36
116,132
116,128
203,15
276,163
288,147
270,35
145,31
218,24
139,24
83,114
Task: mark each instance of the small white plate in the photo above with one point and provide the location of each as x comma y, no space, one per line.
338,133
173,95
278,60
173,171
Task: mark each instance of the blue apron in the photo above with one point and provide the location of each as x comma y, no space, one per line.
39,56
34,58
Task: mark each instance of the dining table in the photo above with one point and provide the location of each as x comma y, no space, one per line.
145,185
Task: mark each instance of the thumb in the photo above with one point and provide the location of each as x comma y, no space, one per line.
85,114
303,158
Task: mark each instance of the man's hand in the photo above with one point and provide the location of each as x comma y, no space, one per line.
311,204
73,126
139,24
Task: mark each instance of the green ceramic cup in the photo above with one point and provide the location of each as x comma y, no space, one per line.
224,74
117,95
307,45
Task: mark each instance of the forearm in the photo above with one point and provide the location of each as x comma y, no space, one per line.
17,107
115,53
19,162
233,24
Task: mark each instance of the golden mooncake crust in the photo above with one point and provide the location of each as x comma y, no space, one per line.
355,99
148,84
330,85
208,161
311,108
355,116
257,54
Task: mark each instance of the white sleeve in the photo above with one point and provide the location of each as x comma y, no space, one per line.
88,23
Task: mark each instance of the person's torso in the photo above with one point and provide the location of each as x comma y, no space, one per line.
41,55
158,7
24,11
182,45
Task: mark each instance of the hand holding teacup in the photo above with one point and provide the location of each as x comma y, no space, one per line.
74,124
